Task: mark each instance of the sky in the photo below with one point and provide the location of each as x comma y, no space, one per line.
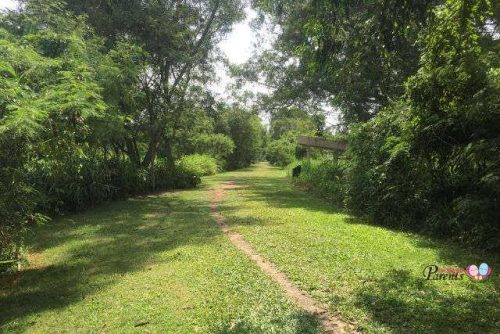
238,47
11,4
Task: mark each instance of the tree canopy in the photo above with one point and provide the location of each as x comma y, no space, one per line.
417,84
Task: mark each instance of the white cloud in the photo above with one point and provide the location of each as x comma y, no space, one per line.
238,46
8,4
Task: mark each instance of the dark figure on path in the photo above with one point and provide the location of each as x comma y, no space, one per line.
296,171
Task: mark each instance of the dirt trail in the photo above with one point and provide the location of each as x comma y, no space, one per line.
330,323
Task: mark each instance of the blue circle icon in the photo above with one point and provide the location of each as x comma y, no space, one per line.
483,269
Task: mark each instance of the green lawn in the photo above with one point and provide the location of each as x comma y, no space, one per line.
161,262
370,274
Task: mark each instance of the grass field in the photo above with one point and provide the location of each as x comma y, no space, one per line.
153,264
160,264
369,274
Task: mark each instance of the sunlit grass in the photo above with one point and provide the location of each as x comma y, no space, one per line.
154,264
160,264
369,274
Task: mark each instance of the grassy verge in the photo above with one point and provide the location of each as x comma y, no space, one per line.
370,274
154,264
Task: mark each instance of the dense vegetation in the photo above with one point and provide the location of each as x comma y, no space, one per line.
102,100
95,107
113,101
284,127
418,86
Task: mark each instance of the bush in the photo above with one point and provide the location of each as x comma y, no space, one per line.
431,161
17,202
216,145
80,183
383,177
245,129
197,164
325,177
280,152
384,180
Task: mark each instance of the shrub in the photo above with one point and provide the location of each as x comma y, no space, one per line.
17,202
280,152
178,178
383,179
185,178
197,164
325,177
84,182
431,161
246,132
215,145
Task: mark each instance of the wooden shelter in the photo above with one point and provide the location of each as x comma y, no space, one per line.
338,146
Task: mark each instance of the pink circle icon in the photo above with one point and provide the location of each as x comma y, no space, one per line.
472,270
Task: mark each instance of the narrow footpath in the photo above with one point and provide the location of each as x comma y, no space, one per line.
330,323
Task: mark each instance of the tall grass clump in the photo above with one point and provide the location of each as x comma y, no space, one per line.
198,164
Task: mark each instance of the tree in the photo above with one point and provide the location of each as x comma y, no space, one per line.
179,38
455,97
218,145
50,106
245,129
355,54
430,161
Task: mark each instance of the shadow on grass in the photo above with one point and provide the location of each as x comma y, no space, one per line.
398,301
96,248
409,304
299,322
448,251
278,192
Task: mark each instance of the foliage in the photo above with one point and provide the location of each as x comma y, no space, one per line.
325,177
455,98
245,129
198,164
295,121
281,152
430,161
179,39
384,180
355,54
285,126
93,108
85,182
218,145
17,203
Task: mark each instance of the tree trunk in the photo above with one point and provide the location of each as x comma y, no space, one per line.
169,154
132,151
154,141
